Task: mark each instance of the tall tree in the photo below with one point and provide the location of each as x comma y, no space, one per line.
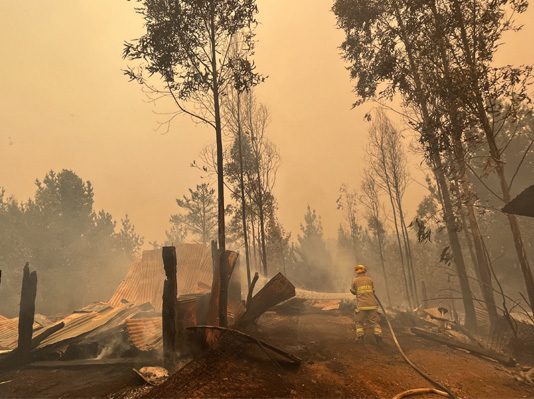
236,167
388,163
375,221
494,95
199,49
382,43
266,161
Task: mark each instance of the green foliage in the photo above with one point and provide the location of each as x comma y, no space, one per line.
198,48
75,250
198,216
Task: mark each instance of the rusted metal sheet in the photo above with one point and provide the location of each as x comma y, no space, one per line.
84,324
523,204
145,333
277,290
9,330
144,281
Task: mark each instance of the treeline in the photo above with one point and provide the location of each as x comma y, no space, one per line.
437,57
79,253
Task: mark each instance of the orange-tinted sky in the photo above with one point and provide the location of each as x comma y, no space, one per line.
64,103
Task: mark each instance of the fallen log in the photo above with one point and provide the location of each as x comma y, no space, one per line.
277,290
475,350
292,359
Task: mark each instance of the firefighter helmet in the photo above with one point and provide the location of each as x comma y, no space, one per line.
360,269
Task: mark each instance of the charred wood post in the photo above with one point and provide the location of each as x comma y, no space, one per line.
223,267
169,309
26,313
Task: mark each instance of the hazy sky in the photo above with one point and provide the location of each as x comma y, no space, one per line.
64,103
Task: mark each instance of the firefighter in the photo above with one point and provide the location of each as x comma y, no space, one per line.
366,312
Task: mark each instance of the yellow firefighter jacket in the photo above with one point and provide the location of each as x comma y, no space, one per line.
365,297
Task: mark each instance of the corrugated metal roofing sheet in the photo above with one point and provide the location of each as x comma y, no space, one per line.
144,280
78,324
145,333
9,330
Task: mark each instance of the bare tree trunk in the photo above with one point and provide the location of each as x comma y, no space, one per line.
381,251
254,247
481,263
261,212
242,188
408,249
467,296
401,252
223,299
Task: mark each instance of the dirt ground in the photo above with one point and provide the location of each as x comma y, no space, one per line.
333,366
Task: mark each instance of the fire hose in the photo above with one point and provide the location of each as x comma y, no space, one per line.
443,390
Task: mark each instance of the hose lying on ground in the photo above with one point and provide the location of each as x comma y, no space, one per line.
420,391
412,364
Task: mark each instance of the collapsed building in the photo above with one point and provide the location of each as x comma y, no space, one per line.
130,323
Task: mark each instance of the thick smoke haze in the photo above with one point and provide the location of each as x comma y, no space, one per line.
66,104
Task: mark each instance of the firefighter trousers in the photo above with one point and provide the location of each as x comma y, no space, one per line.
366,320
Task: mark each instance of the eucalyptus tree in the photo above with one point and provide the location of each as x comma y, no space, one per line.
189,47
492,97
383,46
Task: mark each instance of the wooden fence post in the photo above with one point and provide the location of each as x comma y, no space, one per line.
26,313
169,308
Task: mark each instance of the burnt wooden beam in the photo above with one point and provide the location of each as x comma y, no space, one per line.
295,360
169,308
26,313
251,288
277,289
